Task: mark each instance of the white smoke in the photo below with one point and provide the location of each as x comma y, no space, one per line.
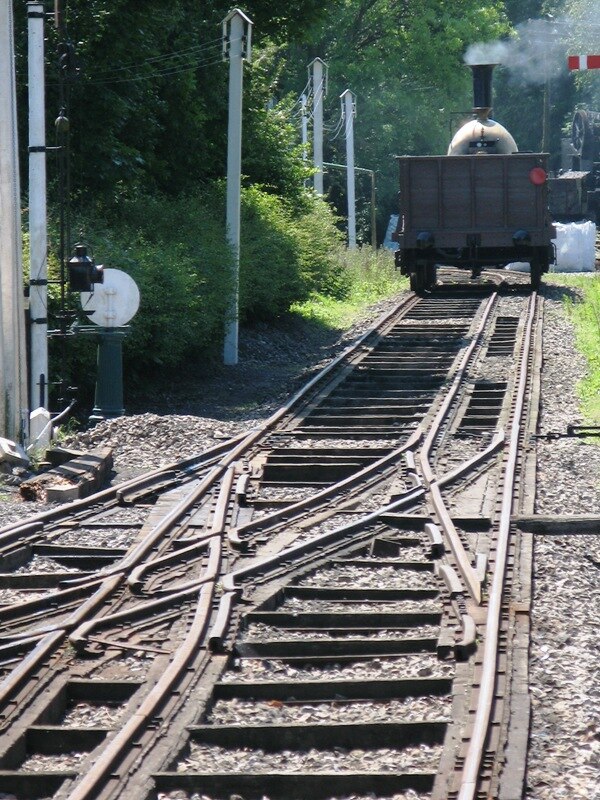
537,52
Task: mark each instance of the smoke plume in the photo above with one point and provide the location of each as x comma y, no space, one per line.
538,51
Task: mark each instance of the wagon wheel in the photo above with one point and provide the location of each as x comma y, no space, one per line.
417,284
423,278
535,269
430,276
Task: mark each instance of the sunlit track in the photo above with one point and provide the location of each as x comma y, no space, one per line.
354,554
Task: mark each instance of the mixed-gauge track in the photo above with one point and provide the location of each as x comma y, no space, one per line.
336,605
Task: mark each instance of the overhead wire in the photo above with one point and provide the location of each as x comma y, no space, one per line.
168,69
214,44
338,128
320,93
306,92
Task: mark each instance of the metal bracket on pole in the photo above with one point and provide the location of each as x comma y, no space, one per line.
246,37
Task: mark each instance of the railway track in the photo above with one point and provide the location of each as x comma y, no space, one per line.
336,605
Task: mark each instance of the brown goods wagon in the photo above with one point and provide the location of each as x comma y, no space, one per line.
471,212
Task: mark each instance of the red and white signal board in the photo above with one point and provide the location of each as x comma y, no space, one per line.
583,62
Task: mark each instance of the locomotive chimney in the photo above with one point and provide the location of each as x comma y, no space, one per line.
482,135
482,88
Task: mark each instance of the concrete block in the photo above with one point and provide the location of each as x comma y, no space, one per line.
56,456
74,479
13,453
40,428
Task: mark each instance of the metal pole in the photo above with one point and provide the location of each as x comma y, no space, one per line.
319,92
108,398
13,400
237,22
373,213
38,245
348,110
546,117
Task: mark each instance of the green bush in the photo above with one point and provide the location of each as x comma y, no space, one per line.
175,250
286,254
318,241
270,278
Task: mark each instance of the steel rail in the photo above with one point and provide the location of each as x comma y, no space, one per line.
142,610
240,445
218,527
471,578
119,751
317,499
234,454
136,578
230,581
300,396
479,458
113,577
165,526
69,598
121,742
468,785
34,524
119,745
52,640
88,787
429,439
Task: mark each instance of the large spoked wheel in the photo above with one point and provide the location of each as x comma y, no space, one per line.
582,134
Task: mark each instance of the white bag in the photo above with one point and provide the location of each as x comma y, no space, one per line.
575,247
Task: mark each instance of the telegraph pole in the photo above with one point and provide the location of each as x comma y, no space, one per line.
319,89
38,242
348,114
13,366
237,32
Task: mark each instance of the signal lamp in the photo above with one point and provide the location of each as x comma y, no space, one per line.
83,271
537,176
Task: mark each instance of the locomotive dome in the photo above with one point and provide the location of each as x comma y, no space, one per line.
482,134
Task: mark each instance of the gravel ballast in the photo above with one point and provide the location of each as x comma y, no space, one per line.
565,682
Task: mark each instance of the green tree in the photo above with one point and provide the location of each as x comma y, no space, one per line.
146,90
404,61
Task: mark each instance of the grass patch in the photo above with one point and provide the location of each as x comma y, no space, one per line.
586,320
366,276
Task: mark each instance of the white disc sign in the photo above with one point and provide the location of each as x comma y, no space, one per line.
114,302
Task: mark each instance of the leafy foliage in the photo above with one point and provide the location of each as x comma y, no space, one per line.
404,63
175,250
284,257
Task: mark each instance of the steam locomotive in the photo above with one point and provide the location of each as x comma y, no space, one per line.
483,204
575,191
